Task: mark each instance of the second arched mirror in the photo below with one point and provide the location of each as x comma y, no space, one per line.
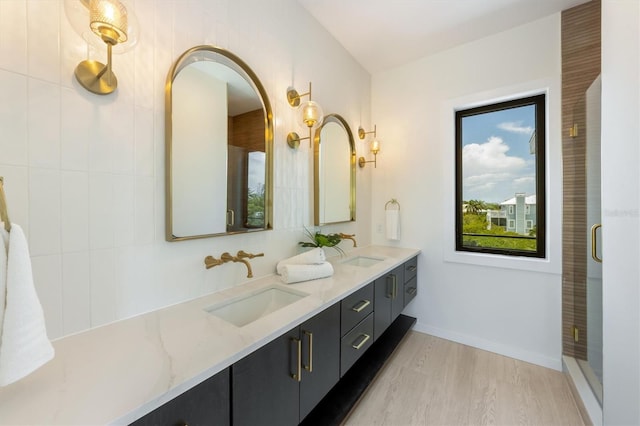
335,172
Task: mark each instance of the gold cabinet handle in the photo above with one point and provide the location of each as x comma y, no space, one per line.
365,339
363,304
411,291
231,217
309,366
412,268
394,292
298,374
594,244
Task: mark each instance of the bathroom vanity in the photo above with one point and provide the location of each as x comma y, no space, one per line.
185,363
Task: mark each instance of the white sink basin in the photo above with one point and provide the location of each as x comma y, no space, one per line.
248,308
363,261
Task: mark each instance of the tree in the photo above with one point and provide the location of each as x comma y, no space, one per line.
476,206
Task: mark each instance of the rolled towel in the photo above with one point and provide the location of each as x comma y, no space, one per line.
393,224
314,256
297,273
24,346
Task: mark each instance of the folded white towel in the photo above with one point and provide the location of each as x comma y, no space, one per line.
24,345
393,224
297,273
314,256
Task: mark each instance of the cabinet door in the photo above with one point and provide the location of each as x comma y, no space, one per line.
320,337
388,300
205,404
397,292
264,391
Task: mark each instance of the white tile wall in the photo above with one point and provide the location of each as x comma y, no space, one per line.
84,174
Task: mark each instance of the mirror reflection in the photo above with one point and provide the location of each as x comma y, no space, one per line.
219,134
335,172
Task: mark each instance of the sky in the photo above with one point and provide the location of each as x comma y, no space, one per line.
495,154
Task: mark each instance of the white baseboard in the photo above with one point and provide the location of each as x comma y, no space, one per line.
488,345
583,391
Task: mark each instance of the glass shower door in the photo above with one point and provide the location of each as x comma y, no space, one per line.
592,366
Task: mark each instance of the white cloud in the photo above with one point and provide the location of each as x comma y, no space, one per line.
489,172
489,158
515,127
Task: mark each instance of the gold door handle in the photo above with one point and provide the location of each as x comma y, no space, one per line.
394,292
594,245
309,367
365,339
363,304
298,374
231,217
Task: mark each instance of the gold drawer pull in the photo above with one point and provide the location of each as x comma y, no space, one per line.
412,268
362,305
309,367
298,375
365,339
412,291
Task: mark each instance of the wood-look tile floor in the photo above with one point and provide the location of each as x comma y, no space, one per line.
432,381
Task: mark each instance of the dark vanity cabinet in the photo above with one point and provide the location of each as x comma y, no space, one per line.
281,382
389,299
357,326
410,280
205,404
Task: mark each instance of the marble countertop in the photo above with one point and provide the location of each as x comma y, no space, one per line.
117,373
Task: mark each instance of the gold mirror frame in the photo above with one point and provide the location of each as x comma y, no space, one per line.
334,118
238,65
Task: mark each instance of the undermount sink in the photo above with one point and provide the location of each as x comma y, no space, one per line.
248,308
363,261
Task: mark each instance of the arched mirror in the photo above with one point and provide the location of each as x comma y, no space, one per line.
219,137
335,172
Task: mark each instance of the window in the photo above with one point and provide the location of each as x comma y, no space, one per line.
500,156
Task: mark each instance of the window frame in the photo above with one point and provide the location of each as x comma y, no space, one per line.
540,160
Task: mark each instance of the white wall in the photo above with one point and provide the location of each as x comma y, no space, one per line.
505,305
621,210
84,174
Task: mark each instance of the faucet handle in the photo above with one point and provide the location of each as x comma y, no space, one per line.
243,254
210,262
227,257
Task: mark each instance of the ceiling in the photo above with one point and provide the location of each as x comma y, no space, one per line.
383,34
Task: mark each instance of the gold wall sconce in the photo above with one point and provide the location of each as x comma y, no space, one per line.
309,113
113,24
375,146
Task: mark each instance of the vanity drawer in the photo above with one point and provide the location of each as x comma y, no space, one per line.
355,308
410,290
355,343
410,269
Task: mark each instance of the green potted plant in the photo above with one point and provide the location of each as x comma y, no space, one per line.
319,239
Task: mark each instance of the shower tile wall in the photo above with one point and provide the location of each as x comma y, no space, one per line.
580,66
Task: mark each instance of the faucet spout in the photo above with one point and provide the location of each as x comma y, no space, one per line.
349,237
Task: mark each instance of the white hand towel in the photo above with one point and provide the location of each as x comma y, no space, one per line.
297,273
24,346
4,243
314,256
393,224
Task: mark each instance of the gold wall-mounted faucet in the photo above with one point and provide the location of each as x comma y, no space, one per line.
241,257
351,237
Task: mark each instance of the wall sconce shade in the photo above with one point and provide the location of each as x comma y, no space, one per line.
375,147
112,23
309,113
